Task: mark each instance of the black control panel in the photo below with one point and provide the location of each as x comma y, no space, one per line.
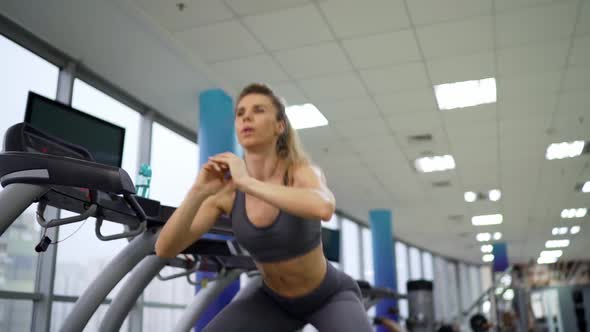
23,137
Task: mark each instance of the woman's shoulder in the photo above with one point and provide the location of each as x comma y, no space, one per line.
308,172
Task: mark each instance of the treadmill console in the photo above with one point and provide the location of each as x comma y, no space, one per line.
23,137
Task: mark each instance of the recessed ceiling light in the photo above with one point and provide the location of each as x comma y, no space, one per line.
546,260
465,94
486,248
559,230
575,230
557,243
470,196
494,195
305,116
435,164
564,150
551,253
485,220
574,213
586,187
483,237
488,258
497,236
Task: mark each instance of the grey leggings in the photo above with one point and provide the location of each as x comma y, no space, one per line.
334,306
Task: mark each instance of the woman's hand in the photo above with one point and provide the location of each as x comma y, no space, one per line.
211,178
236,165
389,324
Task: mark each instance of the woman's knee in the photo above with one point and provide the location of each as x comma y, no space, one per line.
231,319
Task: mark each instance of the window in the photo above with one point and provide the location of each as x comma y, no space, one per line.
350,255
173,170
440,289
332,223
475,283
60,311
175,291
82,256
427,265
453,291
160,319
465,286
486,277
369,273
415,264
22,71
15,315
401,259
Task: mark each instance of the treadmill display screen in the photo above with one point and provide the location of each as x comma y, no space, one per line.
331,244
102,139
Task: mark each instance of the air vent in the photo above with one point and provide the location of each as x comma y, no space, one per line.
419,139
441,184
427,153
456,217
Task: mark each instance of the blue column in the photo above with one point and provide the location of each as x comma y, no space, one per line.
500,252
216,135
383,259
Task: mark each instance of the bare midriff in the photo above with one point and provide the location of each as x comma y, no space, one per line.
297,276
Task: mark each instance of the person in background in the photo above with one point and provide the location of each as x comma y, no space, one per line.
479,323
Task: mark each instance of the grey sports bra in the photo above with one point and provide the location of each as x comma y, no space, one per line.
287,237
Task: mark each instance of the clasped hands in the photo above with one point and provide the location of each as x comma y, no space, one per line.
221,170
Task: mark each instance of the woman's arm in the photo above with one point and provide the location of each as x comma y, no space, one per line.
389,324
309,197
195,216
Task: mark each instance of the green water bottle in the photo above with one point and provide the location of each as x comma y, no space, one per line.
144,178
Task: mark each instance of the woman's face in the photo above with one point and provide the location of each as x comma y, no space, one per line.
256,121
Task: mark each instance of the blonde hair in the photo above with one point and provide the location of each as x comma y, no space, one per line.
289,147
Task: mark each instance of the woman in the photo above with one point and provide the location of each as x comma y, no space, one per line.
276,200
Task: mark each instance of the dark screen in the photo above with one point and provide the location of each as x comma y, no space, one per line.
102,139
331,243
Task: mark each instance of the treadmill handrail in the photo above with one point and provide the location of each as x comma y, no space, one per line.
63,171
90,212
193,269
125,234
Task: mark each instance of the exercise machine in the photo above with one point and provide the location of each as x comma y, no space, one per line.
37,167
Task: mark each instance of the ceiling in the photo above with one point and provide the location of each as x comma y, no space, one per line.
370,67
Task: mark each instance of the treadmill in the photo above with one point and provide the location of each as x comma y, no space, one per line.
36,167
